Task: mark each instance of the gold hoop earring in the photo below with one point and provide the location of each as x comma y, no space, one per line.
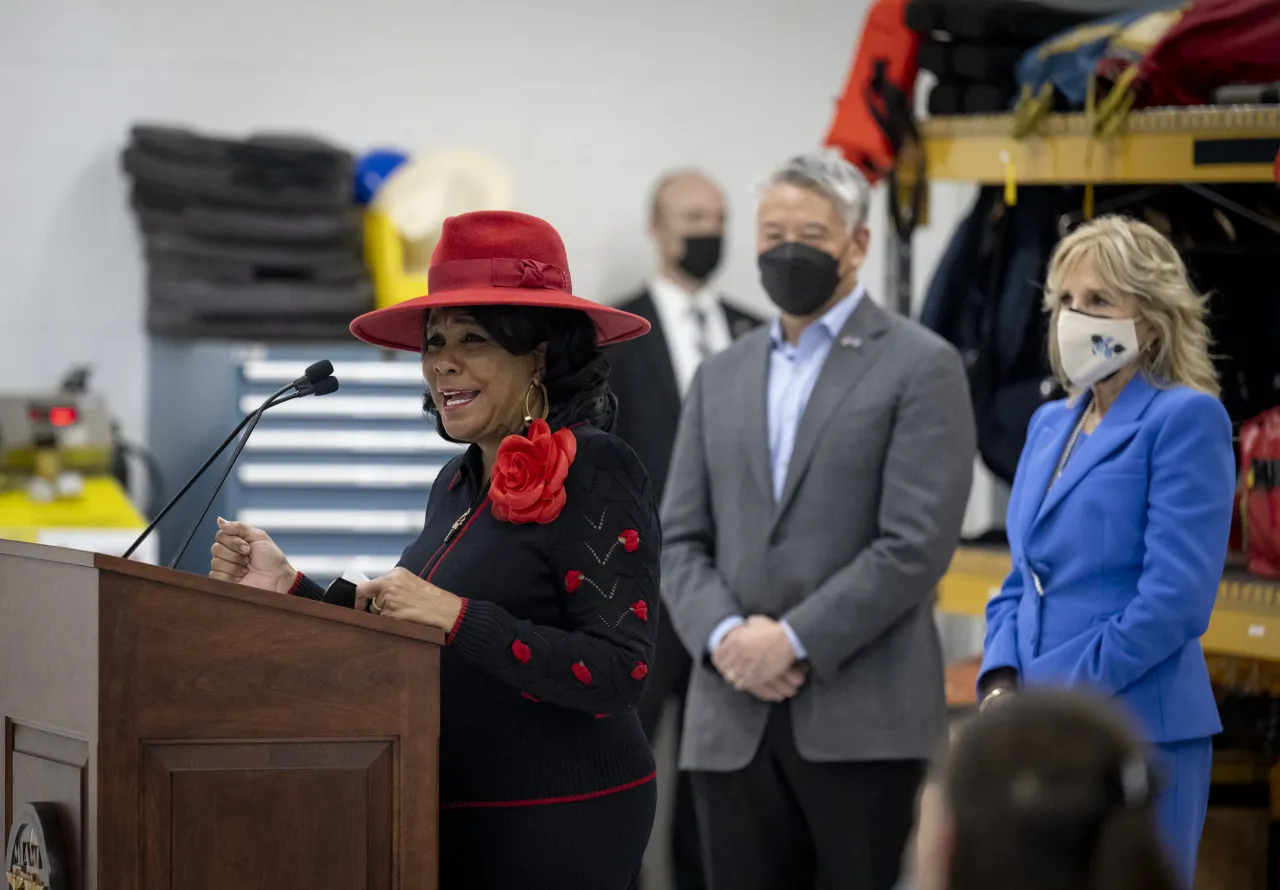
546,402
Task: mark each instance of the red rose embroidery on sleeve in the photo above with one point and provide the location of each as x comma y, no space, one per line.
640,671
572,580
630,540
582,672
521,651
528,476
641,608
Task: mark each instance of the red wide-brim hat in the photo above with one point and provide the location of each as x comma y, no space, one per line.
493,258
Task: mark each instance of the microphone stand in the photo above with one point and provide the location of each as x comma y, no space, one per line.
226,471
269,403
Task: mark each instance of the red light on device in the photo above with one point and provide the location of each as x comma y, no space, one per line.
65,415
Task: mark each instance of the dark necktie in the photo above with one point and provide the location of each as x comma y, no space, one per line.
701,343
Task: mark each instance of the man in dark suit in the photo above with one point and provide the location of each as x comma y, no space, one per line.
650,375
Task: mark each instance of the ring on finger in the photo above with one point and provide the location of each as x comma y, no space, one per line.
377,609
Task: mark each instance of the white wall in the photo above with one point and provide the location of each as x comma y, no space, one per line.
586,101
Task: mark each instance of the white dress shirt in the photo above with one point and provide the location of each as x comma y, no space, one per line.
677,310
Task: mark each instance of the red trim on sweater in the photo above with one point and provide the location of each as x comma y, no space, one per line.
448,639
546,801
296,581
426,565
454,543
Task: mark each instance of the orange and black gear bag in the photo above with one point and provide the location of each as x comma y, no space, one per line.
873,117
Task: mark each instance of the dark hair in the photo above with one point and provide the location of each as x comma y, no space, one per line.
577,373
1052,791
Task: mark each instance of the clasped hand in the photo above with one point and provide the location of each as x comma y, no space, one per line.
757,657
243,554
403,595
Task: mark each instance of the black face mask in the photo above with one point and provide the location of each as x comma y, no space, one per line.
798,278
701,256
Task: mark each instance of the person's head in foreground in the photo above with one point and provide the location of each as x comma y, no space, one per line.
1120,301
1050,791
504,341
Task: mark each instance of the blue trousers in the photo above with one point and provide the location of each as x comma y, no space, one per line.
1181,808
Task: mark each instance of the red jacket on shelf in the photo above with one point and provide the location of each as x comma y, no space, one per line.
1260,498
1217,42
869,123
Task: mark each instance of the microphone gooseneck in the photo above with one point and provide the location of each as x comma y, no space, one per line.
315,376
324,386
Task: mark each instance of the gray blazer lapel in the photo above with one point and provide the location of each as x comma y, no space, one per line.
754,377
851,356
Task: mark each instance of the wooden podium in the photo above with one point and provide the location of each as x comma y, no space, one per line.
194,734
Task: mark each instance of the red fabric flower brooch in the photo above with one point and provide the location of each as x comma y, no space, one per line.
528,476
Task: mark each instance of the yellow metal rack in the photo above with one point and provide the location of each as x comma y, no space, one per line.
1196,145
1203,145
1246,620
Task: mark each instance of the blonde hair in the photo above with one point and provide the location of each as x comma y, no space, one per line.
1133,258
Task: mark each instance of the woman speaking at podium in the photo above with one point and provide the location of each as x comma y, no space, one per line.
539,559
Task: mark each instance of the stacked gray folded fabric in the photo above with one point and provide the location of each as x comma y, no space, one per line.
247,239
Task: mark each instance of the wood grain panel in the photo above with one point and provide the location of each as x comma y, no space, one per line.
118,763
185,581
46,766
281,814
197,654
207,669
287,743
49,663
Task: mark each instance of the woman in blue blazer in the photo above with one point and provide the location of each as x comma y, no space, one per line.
1121,509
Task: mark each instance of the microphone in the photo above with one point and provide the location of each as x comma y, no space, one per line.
321,388
304,385
321,370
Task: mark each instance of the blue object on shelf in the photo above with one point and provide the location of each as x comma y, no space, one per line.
372,169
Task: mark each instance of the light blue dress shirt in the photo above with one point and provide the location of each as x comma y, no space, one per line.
793,371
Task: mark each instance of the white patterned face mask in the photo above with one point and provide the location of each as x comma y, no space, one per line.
1093,348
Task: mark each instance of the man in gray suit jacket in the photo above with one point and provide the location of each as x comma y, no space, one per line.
815,497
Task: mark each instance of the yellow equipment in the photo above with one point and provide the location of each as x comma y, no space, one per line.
409,209
56,485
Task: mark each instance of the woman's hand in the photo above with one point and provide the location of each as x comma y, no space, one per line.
246,555
402,594
997,697
997,687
